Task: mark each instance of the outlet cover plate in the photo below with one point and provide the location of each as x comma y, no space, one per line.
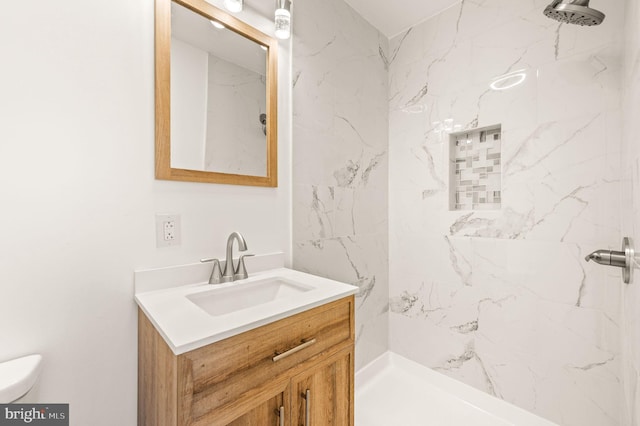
168,230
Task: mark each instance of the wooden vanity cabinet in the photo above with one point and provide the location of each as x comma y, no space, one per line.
293,370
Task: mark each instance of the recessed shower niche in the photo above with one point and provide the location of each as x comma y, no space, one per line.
475,172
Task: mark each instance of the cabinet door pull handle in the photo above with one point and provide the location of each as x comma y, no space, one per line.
307,408
292,351
280,413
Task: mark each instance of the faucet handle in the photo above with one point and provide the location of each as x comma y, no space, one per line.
241,272
216,272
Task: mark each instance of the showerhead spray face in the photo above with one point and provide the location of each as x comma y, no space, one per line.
575,12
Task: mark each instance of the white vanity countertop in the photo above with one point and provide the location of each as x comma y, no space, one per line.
185,326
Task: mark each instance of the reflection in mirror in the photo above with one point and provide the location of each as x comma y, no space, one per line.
216,95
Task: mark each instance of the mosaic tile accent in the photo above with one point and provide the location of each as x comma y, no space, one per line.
475,174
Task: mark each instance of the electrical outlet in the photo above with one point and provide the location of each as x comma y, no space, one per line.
167,230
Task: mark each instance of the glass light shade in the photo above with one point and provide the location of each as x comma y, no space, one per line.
233,5
283,24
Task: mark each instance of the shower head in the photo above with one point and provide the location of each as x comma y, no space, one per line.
574,12
263,121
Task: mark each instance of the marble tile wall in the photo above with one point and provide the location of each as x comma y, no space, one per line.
630,166
503,299
340,160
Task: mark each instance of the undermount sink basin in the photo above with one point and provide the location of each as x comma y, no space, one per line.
239,296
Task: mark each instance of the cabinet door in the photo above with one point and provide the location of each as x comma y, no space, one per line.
323,395
268,413
267,406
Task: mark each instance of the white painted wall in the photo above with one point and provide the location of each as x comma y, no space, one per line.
78,197
189,93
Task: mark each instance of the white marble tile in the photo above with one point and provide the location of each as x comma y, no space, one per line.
368,220
438,33
405,47
340,159
425,167
501,345
630,201
583,84
314,212
361,261
501,300
311,85
514,108
609,34
504,300
344,216
578,338
312,163
528,45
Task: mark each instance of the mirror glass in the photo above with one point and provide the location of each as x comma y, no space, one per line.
216,97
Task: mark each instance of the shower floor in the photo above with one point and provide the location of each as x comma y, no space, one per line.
393,390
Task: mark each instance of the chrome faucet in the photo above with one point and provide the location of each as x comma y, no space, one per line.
624,259
216,273
232,273
608,257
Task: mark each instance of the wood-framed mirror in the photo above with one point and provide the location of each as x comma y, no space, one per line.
215,97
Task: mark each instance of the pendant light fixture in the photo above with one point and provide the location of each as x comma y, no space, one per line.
233,5
283,19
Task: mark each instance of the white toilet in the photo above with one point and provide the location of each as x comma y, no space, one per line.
18,376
